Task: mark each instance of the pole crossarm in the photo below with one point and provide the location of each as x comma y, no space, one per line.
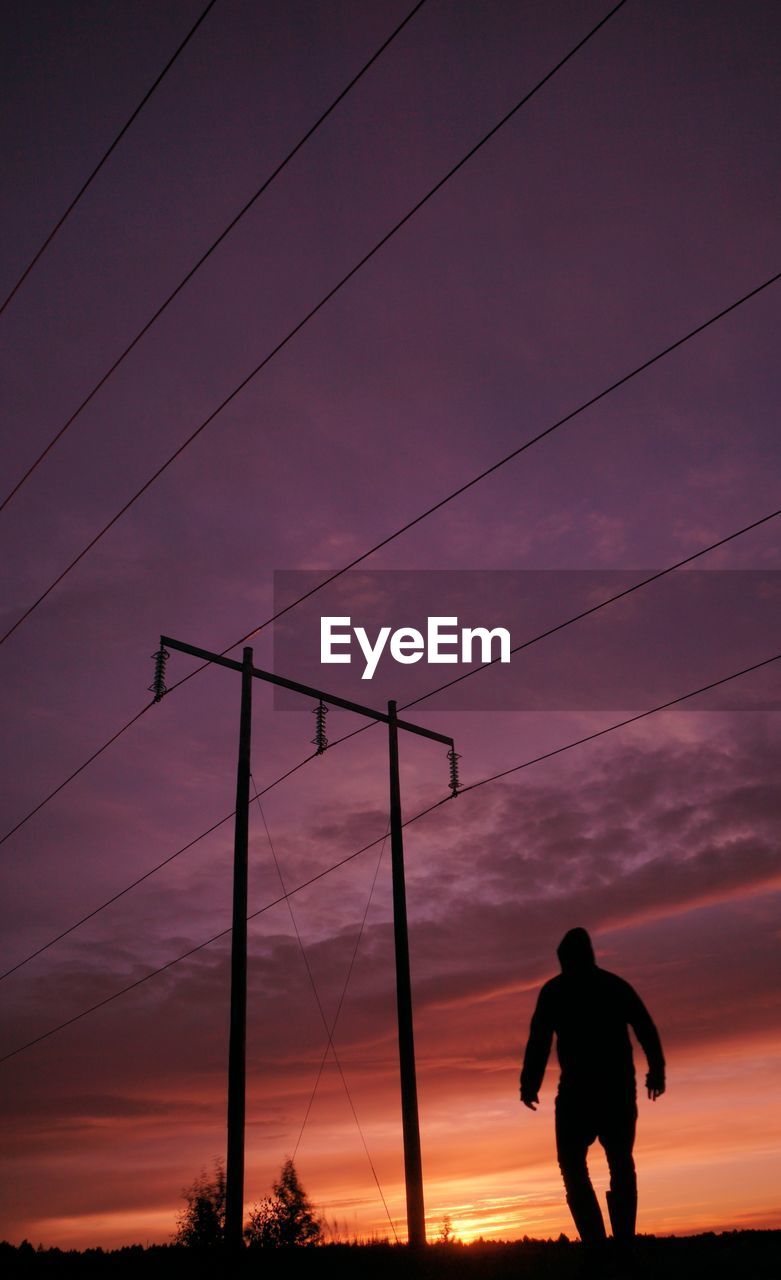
307,690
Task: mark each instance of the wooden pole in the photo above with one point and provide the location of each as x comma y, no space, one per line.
237,1050
413,1170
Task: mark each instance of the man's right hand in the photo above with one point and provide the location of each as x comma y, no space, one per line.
530,1100
655,1084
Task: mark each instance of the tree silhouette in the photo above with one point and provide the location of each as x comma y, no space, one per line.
263,1230
446,1233
282,1219
201,1224
286,1218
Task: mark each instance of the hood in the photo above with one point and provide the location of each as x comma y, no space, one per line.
575,952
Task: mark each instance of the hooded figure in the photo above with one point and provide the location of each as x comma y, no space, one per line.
590,1012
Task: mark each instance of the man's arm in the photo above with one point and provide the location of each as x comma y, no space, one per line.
538,1048
643,1026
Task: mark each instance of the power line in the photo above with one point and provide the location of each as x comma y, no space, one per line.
71,776
577,617
199,947
586,613
300,325
398,532
643,582
109,742
404,528
371,551
513,454
146,875
348,976
642,715
114,898
215,243
101,163
525,764
328,1030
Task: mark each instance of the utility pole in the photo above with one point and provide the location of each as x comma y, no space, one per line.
237,1051
237,1046
413,1168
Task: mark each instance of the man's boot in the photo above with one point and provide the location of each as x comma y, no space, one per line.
587,1215
622,1208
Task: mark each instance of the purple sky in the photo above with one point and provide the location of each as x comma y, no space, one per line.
636,195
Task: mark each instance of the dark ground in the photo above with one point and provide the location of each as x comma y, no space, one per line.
750,1255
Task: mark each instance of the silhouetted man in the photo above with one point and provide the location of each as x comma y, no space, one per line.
590,1011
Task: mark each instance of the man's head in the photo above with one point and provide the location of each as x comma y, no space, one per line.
575,952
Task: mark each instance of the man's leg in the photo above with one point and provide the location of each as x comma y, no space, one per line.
617,1135
573,1138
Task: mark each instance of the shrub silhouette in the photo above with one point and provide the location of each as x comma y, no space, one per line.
201,1224
282,1219
286,1218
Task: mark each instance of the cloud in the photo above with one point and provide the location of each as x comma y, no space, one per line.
668,854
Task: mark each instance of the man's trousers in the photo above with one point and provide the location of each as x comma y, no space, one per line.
580,1121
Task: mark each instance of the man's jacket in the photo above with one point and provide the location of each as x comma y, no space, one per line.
589,1010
